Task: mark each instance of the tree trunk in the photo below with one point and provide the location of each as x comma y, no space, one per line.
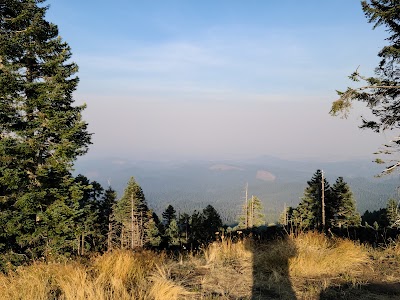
83,244
109,236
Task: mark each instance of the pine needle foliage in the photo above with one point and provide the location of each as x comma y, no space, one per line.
41,133
381,92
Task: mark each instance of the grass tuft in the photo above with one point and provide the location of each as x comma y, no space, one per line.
164,287
317,256
32,282
303,266
227,251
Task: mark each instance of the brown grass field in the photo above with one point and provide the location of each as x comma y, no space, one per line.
303,266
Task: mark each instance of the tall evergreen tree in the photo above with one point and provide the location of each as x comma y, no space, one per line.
212,223
106,222
41,133
393,213
198,233
133,215
252,214
153,234
343,205
184,225
257,212
381,93
309,212
168,215
172,234
87,221
286,217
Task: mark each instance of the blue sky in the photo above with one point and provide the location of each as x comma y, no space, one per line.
219,79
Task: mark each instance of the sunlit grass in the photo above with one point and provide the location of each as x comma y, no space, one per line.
114,275
226,251
316,256
34,282
301,265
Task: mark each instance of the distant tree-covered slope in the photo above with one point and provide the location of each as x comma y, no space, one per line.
195,184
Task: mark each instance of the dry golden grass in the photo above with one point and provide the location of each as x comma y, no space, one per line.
392,248
125,272
317,256
318,262
303,266
32,282
74,282
227,270
286,268
164,287
227,251
115,275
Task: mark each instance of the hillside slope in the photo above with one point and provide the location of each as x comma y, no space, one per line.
189,185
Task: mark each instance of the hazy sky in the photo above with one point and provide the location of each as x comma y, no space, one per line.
219,79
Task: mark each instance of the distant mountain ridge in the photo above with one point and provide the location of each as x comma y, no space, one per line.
189,185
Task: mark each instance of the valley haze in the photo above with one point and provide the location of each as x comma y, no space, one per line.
193,184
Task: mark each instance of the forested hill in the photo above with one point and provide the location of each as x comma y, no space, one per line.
189,185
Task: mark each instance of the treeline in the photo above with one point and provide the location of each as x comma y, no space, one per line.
388,217
133,225
323,206
339,215
100,222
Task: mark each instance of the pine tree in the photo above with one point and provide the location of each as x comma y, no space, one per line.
286,217
258,217
381,93
252,214
87,221
106,222
133,215
297,219
393,213
152,230
184,222
309,212
168,215
212,223
198,232
41,133
343,205
172,234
